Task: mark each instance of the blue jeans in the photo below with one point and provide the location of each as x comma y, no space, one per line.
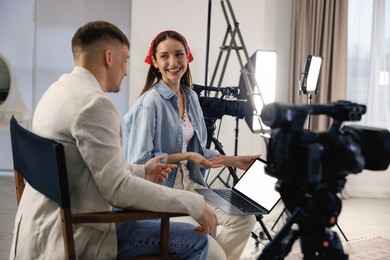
139,238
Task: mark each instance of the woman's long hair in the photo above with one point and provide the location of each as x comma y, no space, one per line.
154,75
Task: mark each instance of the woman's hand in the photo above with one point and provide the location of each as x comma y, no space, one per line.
157,172
241,162
206,163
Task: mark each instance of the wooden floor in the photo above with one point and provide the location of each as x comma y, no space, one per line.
359,217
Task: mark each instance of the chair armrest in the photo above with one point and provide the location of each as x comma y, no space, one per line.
121,216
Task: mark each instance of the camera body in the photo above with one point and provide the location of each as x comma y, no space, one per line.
217,108
214,108
298,155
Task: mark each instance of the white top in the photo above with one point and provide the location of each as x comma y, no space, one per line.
188,130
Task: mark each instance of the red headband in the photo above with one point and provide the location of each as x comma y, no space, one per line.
148,58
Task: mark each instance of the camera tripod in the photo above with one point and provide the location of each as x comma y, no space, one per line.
315,211
210,125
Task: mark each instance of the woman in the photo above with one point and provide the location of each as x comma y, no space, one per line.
167,119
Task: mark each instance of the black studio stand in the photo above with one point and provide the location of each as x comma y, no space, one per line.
210,124
232,41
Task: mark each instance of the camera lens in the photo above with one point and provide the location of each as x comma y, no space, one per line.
374,143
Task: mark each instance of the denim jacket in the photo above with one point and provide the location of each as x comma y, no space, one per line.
152,127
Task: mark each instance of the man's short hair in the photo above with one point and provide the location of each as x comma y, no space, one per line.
95,31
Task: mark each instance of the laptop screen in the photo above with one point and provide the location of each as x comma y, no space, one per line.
258,186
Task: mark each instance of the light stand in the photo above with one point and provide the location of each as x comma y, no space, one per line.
309,101
308,86
248,75
284,211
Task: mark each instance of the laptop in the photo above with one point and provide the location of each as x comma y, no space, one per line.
253,194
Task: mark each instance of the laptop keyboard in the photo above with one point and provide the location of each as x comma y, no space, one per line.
236,200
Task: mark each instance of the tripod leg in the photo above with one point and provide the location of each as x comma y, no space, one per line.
279,217
265,230
283,241
346,239
259,219
218,177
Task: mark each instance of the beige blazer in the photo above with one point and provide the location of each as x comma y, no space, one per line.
75,112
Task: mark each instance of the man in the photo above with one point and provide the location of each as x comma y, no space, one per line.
76,112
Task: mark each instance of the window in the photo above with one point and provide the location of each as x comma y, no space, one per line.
369,59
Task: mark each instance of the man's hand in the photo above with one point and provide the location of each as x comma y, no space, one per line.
157,172
208,221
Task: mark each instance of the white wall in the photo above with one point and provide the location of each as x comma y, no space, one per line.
369,184
37,37
16,44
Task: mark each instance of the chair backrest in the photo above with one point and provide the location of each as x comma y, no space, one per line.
41,162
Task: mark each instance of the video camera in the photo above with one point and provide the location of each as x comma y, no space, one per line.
311,168
307,157
215,108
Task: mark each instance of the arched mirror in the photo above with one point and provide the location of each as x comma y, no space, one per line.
5,80
11,103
